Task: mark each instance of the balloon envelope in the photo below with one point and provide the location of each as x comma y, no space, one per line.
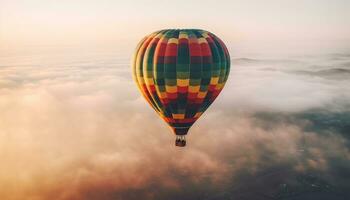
180,72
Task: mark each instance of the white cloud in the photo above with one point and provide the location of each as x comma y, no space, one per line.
77,132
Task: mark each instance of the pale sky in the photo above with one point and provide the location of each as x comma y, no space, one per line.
49,22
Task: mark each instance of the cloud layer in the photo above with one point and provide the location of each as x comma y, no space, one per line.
75,127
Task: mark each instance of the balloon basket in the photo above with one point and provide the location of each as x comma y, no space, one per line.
180,141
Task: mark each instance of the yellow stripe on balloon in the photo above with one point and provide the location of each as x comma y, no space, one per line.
162,95
214,80
202,40
149,81
219,86
204,34
193,89
171,89
178,116
201,95
183,36
173,40
198,114
183,82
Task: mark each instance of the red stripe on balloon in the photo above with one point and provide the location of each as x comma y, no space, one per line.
182,89
211,88
205,49
195,49
171,96
171,50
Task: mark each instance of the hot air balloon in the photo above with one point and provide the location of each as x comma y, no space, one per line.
180,72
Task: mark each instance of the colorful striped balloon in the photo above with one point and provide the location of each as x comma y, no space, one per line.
180,72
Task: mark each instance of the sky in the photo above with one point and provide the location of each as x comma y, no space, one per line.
254,22
74,126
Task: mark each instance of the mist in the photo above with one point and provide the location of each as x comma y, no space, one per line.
74,126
